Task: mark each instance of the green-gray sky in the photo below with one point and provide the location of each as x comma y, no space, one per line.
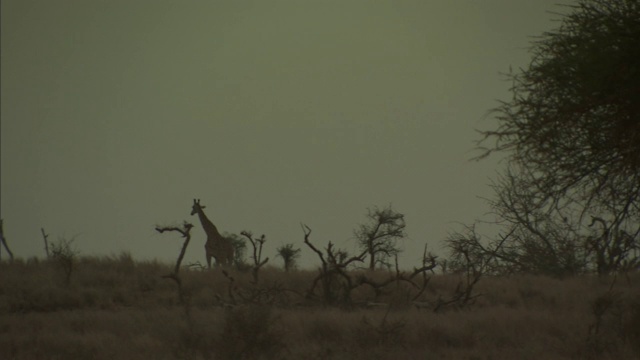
116,114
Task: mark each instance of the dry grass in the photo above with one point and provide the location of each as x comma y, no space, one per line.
118,308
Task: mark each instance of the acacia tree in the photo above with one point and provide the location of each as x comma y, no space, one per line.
379,238
572,132
240,249
289,255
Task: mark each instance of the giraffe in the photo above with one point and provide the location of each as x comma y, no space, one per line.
216,247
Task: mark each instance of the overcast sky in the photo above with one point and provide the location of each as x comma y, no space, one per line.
116,114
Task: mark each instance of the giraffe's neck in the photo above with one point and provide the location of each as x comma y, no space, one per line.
207,225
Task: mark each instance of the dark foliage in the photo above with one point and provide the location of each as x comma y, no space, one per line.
572,133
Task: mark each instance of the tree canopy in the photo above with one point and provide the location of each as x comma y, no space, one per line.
571,131
573,121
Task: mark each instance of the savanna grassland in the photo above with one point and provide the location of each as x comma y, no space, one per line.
119,308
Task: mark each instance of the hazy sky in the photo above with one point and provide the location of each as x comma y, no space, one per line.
116,114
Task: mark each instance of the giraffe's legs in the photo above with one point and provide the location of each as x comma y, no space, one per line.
209,261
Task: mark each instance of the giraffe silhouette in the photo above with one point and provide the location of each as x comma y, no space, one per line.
216,247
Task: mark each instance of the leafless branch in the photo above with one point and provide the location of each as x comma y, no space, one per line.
257,252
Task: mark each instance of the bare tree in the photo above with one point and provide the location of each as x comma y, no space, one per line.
335,281
544,239
613,248
46,242
257,245
379,237
470,258
428,264
185,231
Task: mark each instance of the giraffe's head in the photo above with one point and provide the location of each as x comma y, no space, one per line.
196,207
